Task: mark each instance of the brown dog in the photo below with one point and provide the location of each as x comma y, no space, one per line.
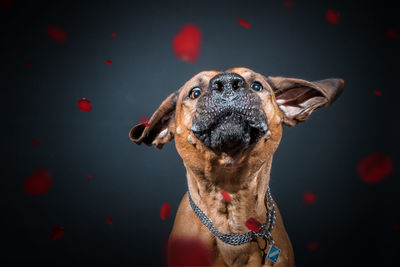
227,126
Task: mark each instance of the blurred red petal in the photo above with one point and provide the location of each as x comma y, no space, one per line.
373,168
313,246
392,34
35,142
243,23
108,62
5,4
332,16
186,44
165,211
84,105
309,198
90,176
188,252
253,225
38,183
109,221
226,196
396,227
113,35
288,3
29,63
377,92
144,120
57,34
57,232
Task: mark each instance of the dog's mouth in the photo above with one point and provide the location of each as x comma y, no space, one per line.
230,130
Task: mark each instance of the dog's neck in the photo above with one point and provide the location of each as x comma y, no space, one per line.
247,190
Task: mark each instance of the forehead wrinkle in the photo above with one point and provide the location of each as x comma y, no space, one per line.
205,76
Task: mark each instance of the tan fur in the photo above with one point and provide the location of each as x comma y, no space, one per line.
245,177
208,174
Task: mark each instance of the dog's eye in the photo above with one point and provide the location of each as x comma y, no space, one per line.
257,86
195,93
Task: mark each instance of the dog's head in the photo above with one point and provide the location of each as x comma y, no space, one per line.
233,115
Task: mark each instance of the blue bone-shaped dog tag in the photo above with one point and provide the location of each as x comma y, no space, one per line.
273,253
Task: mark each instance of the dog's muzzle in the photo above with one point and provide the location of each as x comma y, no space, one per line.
229,116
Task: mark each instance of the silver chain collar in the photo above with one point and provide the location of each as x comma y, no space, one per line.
239,239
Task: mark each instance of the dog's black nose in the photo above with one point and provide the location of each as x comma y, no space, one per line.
227,85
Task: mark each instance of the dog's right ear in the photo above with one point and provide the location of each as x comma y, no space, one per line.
161,125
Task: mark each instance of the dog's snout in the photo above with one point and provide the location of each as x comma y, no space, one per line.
227,85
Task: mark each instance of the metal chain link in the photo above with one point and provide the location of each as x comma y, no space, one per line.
239,239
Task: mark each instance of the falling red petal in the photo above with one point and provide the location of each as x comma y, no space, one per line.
113,35
145,121
35,142
29,63
253,225
38,183
108,62
288,3
165,211
84,105
332,16
5,4
90,176
313,246
392,34
188,252
396,227
56,232
57,34
186,44
109,221
373,168
377,92
243,23
309,198
226,196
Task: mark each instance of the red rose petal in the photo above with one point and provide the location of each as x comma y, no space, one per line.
144,120
113,35
5,4
165,211
288,3
109,221
38,183
188,252
313,246
29,63
332,16
84,105
309,198
186,44
90,176
243,23
35,142
226,196
253,225
396,227
377,92
57,232
392,34
57,34
108,62
373,168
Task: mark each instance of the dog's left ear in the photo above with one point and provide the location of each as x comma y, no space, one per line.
298,98
161,125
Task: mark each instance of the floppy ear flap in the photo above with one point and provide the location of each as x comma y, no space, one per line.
160,128
298,98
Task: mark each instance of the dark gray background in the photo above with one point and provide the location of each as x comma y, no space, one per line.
351,220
